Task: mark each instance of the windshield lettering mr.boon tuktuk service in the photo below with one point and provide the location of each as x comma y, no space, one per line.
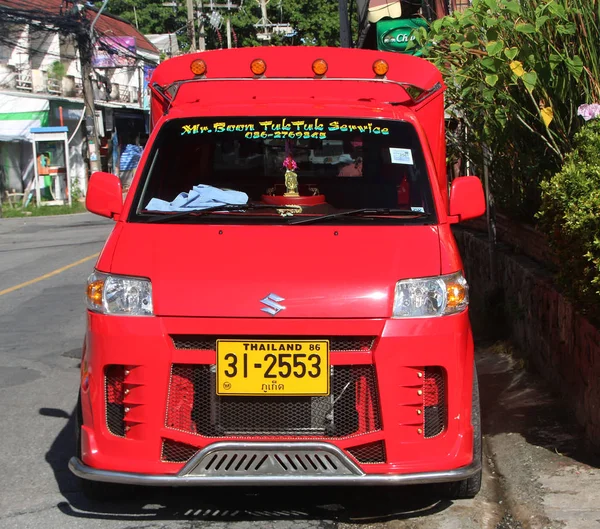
281,300
337,166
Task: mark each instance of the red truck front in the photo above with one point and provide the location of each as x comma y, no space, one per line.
281,300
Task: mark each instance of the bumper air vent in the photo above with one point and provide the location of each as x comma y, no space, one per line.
273,460
174,452
434,402
114,391
369,453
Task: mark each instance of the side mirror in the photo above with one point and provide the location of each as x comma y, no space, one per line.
104,195
467,200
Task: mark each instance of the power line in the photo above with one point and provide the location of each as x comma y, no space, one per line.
75,23
65,25
35,51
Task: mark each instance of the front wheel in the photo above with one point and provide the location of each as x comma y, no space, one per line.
468,488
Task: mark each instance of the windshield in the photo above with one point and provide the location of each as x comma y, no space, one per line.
323,169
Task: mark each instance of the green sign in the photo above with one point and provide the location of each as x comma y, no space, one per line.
395,34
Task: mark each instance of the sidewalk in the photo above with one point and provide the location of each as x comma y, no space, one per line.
535,448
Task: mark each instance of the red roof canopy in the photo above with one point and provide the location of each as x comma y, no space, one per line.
111,26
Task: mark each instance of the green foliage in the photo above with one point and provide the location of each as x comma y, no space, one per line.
76,191
42,211
57,70
570,216
151,16
516,72
316,21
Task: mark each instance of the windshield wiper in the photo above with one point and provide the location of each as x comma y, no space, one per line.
366,212
167,216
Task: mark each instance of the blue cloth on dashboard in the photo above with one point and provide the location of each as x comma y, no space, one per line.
200,197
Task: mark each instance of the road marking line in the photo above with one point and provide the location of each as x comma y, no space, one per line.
49,274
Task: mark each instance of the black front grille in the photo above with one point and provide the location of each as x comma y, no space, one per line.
369,453
202,342
352,408
174,452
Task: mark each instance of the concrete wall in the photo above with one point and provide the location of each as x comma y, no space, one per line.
512,296
69,55
19,53
77,164
44,49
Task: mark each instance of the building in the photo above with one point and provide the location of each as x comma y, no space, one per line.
41,85
166,43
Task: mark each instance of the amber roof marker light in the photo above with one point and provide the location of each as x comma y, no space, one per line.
320,67
380,67
198,67
258,67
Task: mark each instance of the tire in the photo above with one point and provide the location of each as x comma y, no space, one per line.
95,490
468,488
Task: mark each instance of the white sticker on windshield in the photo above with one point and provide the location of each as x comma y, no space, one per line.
417,209
403,156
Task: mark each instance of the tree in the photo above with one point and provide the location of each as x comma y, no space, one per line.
315,22
516,74
151,16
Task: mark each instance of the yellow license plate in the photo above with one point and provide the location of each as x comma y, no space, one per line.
272,367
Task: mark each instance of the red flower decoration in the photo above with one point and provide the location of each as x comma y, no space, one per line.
290,164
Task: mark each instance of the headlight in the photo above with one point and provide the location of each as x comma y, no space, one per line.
112,294
431,296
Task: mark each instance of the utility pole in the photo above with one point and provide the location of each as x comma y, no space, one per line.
90,111
345,36
191,25
86,52
264,22
85,45
201,29
265,28
229,6
362,9
263,10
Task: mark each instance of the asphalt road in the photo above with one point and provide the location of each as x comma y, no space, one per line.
44,263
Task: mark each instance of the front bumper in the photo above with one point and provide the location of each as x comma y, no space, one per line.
272,464
146,350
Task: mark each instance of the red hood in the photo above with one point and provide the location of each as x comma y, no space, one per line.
319,271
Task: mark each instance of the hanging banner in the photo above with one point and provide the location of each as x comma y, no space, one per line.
148,71
114,52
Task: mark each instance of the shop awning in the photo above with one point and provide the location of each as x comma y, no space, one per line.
19,114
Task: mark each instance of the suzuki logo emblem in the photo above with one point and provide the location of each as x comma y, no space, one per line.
272,304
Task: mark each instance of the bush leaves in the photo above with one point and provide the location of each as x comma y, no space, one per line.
525,28
491,79
495,47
